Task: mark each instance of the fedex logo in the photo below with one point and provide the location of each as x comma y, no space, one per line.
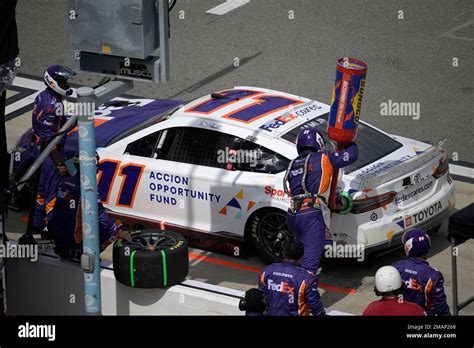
277,122
281,287
414,285
284,288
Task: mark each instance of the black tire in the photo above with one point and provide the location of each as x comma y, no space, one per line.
268,234
154,259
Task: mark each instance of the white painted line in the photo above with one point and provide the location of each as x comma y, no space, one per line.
29,83
451,33
461,171
227,6
21,103
212,287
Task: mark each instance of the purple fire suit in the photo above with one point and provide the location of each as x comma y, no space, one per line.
65,219
46,123
290,290
307,223
423,285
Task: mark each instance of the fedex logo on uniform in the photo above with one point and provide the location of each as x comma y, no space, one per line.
280,287
283,287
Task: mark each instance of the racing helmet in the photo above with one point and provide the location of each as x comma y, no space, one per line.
387,279
416,242
309,138
56,76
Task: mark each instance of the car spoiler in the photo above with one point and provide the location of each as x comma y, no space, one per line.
394,169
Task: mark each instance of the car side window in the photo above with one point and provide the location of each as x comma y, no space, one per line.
256,158
144,147
208,148
194,146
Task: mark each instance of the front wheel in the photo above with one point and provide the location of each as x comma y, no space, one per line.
269,233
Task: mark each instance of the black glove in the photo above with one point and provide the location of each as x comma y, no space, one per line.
61,168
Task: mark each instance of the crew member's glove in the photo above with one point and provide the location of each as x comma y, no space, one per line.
61,168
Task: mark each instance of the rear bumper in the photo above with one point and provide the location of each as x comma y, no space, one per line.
396,239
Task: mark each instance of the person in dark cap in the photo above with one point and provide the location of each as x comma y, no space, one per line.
286,288
424,284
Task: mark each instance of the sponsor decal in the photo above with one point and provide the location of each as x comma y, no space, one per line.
165,188
407,196
374,216
427,212
417,178
276,194
234,206
208,124
421,216
277,122
381,167
306,109
295,113
283,287
251,138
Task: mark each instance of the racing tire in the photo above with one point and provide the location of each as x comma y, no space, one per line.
268,232
154,259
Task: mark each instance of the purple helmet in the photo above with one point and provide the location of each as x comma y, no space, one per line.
416,242
309,138
56,76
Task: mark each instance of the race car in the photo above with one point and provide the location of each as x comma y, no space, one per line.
213,170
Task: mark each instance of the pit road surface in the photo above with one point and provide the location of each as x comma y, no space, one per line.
345,285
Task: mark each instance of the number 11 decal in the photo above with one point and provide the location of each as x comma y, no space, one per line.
131,174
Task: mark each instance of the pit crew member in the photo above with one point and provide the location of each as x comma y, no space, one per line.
64,221
290,290
388,284
424,284
307,181
48,117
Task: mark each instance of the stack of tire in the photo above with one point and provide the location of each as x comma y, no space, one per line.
154,259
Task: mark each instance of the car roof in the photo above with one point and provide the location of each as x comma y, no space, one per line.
255,109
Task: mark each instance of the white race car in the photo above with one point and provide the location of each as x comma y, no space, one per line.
213,170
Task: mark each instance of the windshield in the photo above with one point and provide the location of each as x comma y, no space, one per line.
372,144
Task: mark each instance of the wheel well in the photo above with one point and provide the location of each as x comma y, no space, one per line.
247,231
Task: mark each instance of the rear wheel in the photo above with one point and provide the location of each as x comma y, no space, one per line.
269,233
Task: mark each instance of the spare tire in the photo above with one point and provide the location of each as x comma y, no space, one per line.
154,259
